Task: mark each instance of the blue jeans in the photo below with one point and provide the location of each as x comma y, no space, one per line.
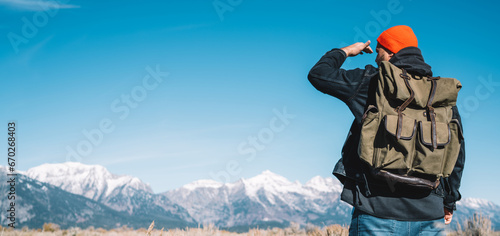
364,224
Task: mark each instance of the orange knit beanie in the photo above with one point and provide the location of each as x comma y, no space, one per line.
397,38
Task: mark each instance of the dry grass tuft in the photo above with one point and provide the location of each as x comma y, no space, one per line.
337,230
151,226
50,227
477,225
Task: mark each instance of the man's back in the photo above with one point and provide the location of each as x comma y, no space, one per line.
367,194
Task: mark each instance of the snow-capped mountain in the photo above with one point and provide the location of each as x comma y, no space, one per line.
37,203
92,181
271,200
121,193
266,199
477,204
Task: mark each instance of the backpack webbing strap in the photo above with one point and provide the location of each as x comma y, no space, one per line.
403,106
430,111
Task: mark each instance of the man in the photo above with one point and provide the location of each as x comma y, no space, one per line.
377,209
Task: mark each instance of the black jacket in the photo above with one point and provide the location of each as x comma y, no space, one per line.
355,88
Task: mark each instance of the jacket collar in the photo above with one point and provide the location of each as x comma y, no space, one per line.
411,59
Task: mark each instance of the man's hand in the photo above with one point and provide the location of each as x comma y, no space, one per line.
448,215
357,48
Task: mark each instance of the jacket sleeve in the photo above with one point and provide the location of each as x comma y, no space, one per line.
452,183
327,77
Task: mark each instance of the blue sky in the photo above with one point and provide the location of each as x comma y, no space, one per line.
230,98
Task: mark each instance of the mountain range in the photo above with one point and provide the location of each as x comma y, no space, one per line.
75,194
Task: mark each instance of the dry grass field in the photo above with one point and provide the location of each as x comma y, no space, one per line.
52,229
475,226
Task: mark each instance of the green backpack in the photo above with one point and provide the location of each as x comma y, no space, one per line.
408,136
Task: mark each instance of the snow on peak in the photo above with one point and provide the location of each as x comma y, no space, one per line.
91,181
324,184
475,203
203,183
268,177
269,173
62,169
271,183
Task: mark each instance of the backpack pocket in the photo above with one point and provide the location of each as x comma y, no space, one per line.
453,148
429,160
369,123
393,153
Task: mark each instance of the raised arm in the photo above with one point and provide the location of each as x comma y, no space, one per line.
327,77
